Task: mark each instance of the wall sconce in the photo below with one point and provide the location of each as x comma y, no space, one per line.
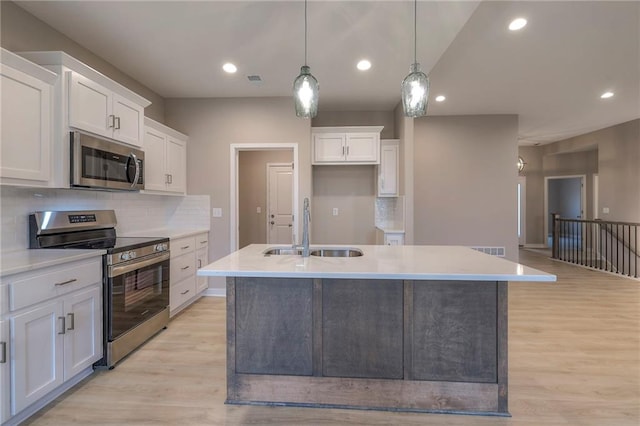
521,164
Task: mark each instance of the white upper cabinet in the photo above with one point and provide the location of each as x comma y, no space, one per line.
96,109
346,145
27,121
165,159
388,170
87,100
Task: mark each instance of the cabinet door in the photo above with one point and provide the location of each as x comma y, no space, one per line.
83,338
26,126
37,366
155,176
177,165
328,147
4,371
90,106
202,256
363,147
388,171
394,239
129,121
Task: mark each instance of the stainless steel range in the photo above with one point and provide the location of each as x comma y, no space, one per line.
135,277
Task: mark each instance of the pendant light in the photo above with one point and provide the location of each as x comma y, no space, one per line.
415,86
305,86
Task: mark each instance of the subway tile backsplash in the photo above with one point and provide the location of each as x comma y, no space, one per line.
134,211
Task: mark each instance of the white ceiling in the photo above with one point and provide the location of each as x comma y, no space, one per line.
551,73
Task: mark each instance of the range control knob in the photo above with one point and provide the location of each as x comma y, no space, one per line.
133,255
161,247
125,256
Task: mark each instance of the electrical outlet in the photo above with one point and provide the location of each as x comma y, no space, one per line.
258,209
216,212
605,210
335,211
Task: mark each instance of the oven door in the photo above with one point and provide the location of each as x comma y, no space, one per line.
136,291
101,163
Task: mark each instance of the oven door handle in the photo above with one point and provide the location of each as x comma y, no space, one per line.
115,271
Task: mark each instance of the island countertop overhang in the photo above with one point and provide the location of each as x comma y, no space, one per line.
378,262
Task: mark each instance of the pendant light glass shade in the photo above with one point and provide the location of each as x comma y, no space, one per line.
305,87
305,93
415,86
415,92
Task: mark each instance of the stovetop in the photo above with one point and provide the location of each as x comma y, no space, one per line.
118,244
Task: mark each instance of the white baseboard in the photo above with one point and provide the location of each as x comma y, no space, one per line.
215,292
538,246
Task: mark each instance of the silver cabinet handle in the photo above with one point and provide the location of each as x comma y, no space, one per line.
64,325
184,248
343,151
204,242
72,280
166,179
112,121
170,178
185,268
117,120
199,263
72,320
3,352
184,292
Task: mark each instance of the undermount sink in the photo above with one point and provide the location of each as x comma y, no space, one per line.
283,251
336,252
317,251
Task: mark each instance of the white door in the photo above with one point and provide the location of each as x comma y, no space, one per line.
90,106
129,121
155,176
4,371
522,208
279,204
38,350
83,338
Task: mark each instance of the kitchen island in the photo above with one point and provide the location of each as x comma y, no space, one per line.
403,328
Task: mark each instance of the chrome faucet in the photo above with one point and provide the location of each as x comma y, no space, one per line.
306,218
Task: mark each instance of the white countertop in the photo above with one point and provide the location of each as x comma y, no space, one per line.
378,262
14,262
170,233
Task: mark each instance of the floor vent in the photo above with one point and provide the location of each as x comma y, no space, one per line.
494,251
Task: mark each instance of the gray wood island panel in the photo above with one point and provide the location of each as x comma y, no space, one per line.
420,345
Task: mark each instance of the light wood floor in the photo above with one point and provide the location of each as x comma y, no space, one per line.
574,359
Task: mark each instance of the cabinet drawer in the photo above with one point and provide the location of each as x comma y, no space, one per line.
202,241
37,286
182,267
182,292
183,246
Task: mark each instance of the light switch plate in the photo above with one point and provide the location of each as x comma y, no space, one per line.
258,209
216,212
605,210
335,211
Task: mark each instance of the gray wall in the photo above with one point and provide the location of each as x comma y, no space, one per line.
613,153
21,31
352,190
465,181
213,125
357,118
252,186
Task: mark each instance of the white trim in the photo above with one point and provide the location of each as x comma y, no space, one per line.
522,208
583,200
215,292
234,150
595,191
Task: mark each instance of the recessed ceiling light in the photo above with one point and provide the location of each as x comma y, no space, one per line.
606,95
440,98
517,24
364,65
230,68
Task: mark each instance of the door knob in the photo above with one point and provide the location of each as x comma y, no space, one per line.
290,225
272,222
272,216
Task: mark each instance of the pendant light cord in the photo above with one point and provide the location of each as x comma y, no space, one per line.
415,31
305,33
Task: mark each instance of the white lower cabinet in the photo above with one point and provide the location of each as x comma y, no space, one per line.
51,330
188,254
5,373
389,238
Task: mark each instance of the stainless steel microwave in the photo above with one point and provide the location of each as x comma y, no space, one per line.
104,164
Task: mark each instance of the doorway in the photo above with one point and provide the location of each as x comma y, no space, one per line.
565,195
248,190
